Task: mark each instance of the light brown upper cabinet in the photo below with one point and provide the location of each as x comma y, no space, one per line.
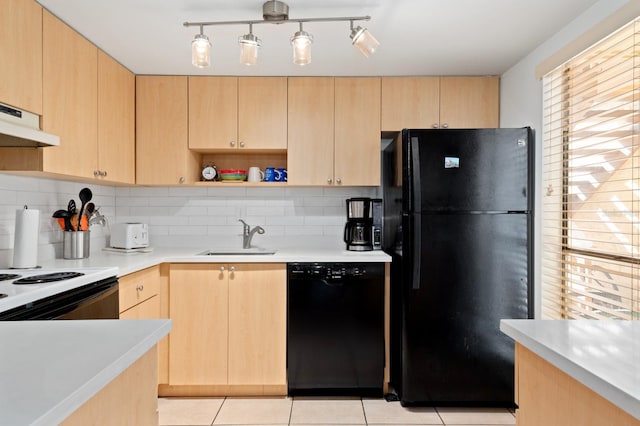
357,131
21,53
244,113
213,112
162,153
439,102
469,102
70,99
116,122
311,111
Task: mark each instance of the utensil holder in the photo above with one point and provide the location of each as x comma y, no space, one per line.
75,244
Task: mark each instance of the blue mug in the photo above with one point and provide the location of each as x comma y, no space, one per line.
283,174
271,174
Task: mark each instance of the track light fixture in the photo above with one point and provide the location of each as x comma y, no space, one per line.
277,12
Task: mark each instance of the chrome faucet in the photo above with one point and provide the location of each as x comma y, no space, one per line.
247,233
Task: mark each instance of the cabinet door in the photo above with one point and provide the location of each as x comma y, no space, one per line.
70,99
469,102
262,113
116,121
21,53
213,113
357,131
410,103
198,307
310,130
257,324
162,153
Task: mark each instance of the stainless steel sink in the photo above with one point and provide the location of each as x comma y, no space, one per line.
236,251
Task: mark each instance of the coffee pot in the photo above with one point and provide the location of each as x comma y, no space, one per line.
358,231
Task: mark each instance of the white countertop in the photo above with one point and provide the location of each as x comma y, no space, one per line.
132,262
49,369
602,355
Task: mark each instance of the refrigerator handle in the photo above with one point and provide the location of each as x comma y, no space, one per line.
417,252
416,187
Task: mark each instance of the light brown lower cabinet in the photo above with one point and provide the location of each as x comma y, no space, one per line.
229,330
129,399
548,396
144,295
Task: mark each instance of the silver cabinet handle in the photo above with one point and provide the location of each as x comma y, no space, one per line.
232,269
435,125
104,174
329,180
181,180
96,173
338,181
445,126
140,287
241,144
222,269
232,144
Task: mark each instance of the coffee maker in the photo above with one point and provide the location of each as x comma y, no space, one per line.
361,228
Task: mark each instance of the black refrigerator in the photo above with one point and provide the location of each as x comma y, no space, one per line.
459,226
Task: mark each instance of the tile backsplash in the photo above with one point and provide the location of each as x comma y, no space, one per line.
177,215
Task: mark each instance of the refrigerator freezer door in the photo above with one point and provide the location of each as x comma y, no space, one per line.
473,272
467,170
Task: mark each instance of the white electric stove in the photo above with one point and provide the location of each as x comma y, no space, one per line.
25,287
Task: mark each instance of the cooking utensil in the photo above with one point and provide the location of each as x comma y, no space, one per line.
64,214
85,197
90,209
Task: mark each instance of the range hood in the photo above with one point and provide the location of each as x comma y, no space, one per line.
21,129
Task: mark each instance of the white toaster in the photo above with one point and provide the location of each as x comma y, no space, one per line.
130,235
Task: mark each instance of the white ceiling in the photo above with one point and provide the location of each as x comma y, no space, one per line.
417,37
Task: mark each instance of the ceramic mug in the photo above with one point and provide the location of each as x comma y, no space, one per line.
283,174
271,174
255,174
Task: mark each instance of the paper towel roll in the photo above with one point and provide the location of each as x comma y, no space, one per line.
25,243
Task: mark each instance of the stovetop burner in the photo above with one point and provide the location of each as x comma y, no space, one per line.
5,277
47,278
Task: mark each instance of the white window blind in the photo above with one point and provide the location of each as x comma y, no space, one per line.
591,188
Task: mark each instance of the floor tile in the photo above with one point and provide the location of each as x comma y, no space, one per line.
188,411
249,411
379,411
476,416
321,411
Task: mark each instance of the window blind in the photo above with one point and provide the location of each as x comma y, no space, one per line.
591,182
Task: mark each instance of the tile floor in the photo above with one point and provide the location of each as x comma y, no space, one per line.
319,411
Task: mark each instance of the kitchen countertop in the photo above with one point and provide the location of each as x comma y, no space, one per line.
132,262
48,369
602,355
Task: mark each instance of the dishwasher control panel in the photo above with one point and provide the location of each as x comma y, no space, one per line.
330,271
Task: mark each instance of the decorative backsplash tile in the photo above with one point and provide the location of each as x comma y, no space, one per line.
177,213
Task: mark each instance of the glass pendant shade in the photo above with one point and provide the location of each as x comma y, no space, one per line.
249,45
364,41
201,51
301,42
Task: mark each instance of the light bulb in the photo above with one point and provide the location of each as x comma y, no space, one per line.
301,42
201,51
249,45
364,41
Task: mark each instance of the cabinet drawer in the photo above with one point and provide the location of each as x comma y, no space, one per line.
138,287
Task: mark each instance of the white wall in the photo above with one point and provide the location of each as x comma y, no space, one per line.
521,94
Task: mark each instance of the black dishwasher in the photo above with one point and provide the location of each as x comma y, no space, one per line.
335,336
